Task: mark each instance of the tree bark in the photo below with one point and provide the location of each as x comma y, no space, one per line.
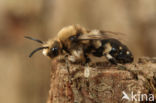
102,83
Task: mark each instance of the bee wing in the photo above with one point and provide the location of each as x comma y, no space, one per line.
92,37
99,35
111,33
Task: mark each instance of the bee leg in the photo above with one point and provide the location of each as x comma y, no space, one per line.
86,67
87,59
111,59
67,67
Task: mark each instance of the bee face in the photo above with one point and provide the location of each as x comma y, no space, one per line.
54,50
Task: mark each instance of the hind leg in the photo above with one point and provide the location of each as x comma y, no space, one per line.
111,59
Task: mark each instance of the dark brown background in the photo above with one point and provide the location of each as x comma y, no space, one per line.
24,80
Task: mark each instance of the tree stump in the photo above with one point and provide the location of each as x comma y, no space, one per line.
101,83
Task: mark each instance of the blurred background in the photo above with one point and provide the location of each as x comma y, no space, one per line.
25,80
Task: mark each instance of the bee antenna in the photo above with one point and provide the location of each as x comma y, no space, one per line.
30,38
34,51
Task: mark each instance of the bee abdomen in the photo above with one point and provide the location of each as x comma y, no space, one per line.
113,50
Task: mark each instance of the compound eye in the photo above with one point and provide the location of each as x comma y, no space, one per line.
54,51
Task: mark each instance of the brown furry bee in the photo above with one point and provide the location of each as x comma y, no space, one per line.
85,46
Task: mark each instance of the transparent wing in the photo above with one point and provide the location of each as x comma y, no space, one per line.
100,35
92,37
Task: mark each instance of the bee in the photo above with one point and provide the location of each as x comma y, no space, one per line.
85,46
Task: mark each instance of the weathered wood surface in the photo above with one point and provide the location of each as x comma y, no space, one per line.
105,84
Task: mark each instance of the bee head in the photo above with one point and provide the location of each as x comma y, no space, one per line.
54,49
